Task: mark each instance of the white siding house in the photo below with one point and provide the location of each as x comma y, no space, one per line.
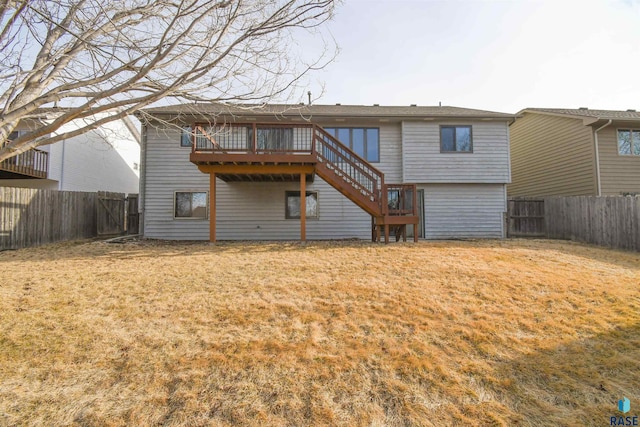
104,159
458,160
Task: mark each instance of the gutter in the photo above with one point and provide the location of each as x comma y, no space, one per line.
599,184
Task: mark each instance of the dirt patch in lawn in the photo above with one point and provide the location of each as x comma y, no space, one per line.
329,333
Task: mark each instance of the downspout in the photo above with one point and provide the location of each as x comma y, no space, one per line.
595,139
143,179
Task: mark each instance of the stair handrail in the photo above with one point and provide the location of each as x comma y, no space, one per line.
322,138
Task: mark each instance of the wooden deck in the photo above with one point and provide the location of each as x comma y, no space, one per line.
296,153
30,164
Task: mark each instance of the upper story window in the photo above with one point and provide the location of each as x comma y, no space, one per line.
185,136
13,135
456,139
629,142
365,142
16,134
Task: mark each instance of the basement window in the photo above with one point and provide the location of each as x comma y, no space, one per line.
292,204
190,204
456,139
629,142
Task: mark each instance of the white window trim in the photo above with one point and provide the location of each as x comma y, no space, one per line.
630,155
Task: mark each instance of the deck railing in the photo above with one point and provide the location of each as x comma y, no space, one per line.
365,179
253,138
401,199
33,163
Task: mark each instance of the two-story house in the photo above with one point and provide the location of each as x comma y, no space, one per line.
217,172
575,152
104,159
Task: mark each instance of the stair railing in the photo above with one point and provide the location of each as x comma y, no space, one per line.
352,168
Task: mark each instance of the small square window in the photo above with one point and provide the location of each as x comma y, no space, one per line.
190,204
292,204
186,136
456,139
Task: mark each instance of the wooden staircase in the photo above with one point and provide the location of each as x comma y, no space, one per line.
364,185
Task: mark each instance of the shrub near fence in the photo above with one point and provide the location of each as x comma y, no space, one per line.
31,217
612,221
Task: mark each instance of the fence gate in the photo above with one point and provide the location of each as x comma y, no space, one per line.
133,217
525,218
110,213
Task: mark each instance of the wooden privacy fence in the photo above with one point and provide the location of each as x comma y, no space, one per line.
133,216
525,217
612,221
31,217
111,213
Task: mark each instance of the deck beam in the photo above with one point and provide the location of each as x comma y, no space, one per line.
258,169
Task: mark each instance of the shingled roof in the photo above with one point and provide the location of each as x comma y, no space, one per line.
338,110
584,112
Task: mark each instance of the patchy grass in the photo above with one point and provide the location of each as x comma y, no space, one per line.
330,333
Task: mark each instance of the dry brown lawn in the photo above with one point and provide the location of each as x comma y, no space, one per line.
329,333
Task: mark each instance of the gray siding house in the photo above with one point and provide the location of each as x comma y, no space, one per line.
575,152
215,172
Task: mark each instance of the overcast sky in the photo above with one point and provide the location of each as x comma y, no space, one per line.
493,55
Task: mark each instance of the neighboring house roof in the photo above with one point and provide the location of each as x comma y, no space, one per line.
585,113
338,110
49,113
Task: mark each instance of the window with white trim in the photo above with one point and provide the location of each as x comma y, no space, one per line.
629,142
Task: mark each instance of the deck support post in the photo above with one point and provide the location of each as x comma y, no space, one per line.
303,207
386,232
212,203
373,229
415,233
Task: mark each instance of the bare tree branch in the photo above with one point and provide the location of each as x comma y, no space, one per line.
106,59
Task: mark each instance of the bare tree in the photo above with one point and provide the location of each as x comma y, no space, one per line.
106,59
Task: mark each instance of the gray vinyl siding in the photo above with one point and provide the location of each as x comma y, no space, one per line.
618,174
551,156
391,153
256,211
245,211
464,210
168,169
423,161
